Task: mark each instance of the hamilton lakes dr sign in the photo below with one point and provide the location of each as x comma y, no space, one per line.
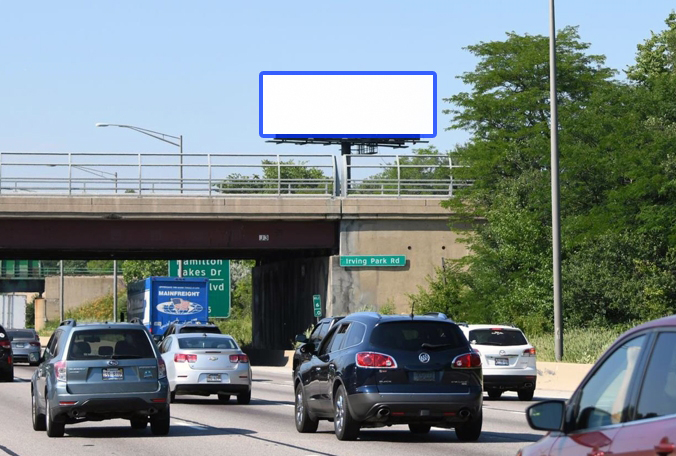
371,261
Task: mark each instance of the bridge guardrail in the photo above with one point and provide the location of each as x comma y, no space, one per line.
213,175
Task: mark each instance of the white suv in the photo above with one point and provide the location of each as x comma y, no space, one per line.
508,359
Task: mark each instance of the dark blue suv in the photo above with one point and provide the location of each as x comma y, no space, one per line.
373,370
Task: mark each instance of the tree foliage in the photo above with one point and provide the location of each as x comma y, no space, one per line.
285,177
617,180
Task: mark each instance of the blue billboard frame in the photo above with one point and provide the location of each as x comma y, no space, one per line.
337,135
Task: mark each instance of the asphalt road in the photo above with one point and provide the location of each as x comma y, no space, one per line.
202,426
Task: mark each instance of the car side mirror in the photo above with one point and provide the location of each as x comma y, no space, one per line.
547,415
302,338
307,349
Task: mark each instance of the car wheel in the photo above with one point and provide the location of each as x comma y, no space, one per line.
494,394
38,418
526,394
346,427
470,430
419,428
304,422
7,376
139,422
54,428
159,422
223,398
244,398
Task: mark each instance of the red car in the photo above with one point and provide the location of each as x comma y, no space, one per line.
626,405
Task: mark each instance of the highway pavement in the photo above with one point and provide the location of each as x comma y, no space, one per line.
202,426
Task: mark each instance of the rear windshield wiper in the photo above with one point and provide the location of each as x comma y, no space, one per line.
434,346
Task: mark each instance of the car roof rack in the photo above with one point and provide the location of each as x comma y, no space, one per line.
68,322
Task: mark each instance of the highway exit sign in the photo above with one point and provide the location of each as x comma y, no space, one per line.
373,261
317,305
218,273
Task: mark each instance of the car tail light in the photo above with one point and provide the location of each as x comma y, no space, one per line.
9,360
161,369
467,361
60,371
239,359
372,360
477,351
34,344
4,343
529,352
183,358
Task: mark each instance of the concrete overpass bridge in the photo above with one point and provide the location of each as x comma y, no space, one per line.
296,215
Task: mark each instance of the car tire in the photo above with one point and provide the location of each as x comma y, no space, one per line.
419,428
494,394
526,394
244,398
223,398
172,397
159,422
7,376
470,430
38,418
346,427
139,422
304,422
53,427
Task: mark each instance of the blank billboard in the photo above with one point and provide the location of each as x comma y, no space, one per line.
348,104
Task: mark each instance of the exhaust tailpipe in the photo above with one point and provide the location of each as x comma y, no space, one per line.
383,412
75,413
527,385
152,411
464,413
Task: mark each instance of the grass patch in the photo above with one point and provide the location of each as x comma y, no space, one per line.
239,327
100,309
579,345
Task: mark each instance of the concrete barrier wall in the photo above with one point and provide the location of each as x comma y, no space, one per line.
78,290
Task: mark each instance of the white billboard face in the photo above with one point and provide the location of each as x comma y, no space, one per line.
360,104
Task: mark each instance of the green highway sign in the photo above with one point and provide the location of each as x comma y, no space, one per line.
373,261
218,273
317,305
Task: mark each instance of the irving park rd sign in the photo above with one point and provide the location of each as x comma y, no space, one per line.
372,261
218,273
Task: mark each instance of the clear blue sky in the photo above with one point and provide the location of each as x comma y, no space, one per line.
191,68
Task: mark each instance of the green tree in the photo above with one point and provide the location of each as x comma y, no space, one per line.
287,177
139,269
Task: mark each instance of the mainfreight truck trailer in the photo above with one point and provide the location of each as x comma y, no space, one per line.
159,301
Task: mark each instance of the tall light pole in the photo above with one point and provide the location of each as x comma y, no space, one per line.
161,137
556,229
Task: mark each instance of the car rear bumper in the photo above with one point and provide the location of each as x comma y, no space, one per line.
206,388
433,408
514,382
110,405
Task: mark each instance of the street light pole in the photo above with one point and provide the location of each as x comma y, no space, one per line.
556,228
161,137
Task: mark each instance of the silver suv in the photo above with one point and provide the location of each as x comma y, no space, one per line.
100,371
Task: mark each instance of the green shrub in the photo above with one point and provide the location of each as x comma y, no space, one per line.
239,327
579,345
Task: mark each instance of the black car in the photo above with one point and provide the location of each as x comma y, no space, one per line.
318,333
373,370
6,361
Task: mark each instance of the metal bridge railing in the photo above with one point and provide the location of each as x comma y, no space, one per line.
222,175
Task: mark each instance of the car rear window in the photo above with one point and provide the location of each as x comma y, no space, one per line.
414,335
110,343
18,334
200,329
189,343
500,337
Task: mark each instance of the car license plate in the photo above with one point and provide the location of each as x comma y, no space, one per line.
116,373
501,362
423,376
214,378
19,345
